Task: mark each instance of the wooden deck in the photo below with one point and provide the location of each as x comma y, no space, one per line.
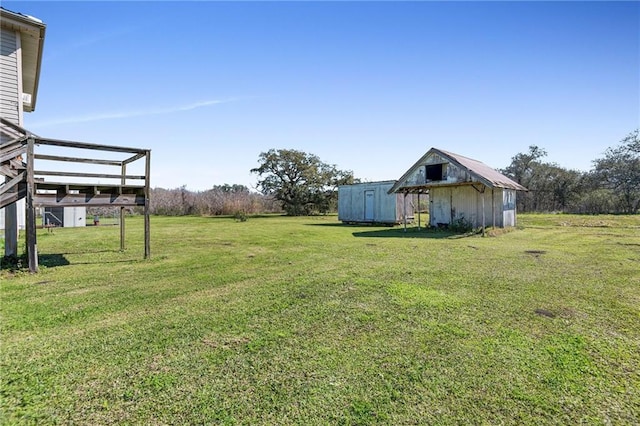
58,187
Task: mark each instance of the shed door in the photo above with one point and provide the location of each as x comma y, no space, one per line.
368,205
440,206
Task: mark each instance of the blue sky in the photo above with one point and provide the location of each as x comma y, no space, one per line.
367,86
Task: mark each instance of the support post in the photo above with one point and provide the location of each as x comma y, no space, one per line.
123,181
147,197
493,209
418,211
404,206
32,245
483,218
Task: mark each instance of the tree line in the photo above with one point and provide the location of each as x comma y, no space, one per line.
220,200
299,183
611,186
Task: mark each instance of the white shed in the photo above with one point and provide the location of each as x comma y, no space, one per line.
371,202
67,217
461,188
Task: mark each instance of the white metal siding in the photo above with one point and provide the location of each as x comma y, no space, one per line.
75,217
9,75
509,207
456,202
386,208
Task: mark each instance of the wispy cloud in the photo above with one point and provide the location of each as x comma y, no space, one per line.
129,114
62,49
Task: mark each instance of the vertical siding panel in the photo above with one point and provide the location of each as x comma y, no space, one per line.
388,208
9,85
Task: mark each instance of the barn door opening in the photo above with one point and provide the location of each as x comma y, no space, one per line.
369,206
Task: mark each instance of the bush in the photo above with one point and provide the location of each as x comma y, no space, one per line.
461,225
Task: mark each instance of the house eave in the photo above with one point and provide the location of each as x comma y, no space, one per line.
32,35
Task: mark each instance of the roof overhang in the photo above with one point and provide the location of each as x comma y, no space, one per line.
32,32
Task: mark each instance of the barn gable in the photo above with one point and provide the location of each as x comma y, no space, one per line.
441,168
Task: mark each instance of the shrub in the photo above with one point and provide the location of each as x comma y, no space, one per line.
461,225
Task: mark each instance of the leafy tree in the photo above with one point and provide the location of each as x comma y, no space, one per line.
525,169
619,171
300,181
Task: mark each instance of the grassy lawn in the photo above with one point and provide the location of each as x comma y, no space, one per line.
306,321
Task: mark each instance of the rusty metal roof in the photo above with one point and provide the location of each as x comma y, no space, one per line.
483,173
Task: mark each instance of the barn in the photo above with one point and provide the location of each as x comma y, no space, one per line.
371,202
461,189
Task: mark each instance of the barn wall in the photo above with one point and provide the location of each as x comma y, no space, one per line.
455,202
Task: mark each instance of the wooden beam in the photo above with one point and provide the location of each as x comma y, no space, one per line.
90,200
8,171
12,197
134,158
15,129
10,155
78,160
84,145
13,182
32,244
86,175
15,141
92,187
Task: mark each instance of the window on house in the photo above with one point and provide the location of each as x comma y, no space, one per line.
436,172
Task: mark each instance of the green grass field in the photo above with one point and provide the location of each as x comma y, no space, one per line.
306,321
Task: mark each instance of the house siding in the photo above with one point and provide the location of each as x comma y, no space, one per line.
9,75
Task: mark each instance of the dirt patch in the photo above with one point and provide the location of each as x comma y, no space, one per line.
225,342
535,253
545,313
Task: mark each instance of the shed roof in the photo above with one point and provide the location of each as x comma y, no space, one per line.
483,173
32,32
